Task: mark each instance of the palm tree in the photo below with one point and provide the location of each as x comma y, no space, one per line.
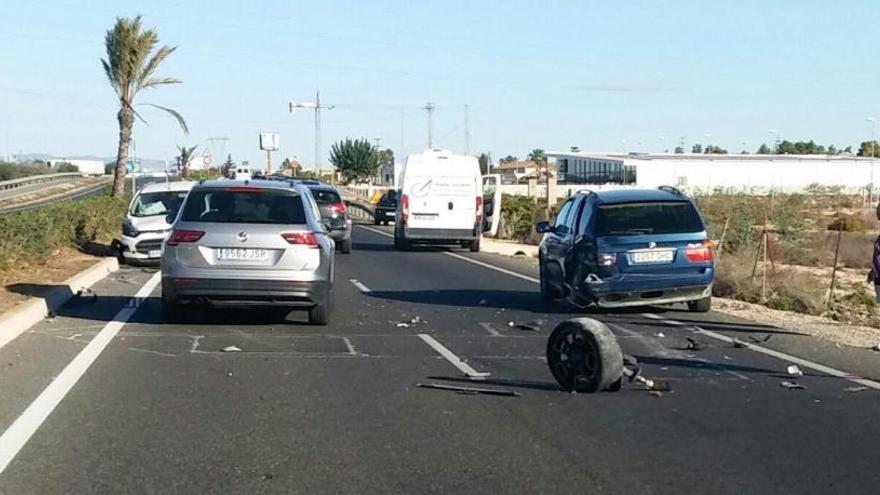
129,66
185,158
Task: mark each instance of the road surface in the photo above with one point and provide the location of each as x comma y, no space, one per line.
302,409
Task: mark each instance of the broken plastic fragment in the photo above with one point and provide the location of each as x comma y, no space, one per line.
403,325
791,385
793,370
660,335
230,348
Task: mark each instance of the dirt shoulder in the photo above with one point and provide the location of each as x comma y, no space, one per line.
17,286
817,326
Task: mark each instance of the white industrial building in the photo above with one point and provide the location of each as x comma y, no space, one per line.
701,172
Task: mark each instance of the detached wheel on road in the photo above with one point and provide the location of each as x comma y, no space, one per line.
320,314
703,305
584,356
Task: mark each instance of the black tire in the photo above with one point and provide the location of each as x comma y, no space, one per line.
320,314
703,305
584,356
400,242
345,246
376,220
474,245
548,293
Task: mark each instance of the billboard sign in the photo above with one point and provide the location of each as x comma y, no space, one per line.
269,141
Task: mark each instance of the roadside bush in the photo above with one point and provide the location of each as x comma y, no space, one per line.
9,171
29,237
849,223
787,289
518,218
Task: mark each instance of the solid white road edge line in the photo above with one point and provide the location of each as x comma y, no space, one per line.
361,287
452,358
17,435
770,352
764,350
471,260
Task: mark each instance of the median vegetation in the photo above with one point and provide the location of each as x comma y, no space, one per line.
30,237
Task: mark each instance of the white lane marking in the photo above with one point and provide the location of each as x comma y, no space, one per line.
377,231
770,352
17,435
196,341
149,351
489,328
493,267
471,260
452,358
350,347
361,287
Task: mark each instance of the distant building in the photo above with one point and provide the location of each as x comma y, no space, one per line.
516,172
710,172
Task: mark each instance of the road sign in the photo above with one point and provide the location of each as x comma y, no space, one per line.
269,141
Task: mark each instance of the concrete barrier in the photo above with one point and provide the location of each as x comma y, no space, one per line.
17,320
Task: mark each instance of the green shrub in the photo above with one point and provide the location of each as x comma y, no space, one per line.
518,215
31,236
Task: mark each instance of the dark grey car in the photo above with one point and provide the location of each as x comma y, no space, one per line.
333,213
249,243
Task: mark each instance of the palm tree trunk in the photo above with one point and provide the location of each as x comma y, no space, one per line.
126,122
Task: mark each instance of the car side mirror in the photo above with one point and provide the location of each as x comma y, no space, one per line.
544,228
169,218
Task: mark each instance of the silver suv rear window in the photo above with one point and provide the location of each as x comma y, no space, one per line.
244,205
660,217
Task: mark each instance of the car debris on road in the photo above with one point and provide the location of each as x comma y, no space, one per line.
230,348
791,385
470,390
793,370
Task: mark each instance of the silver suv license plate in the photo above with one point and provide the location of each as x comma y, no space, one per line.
239,254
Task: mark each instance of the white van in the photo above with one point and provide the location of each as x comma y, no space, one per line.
242,172
441,200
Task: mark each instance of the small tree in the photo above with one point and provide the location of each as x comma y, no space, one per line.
355,159
508,159
697,148
867,148
679,150
764,149
485,162
184,158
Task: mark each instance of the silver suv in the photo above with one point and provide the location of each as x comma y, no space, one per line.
249,243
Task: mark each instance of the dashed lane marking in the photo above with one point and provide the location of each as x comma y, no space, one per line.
452,358
361,287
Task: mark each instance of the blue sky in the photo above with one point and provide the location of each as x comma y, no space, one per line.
634,75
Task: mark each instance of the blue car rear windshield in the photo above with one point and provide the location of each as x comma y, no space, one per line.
661,217
244,206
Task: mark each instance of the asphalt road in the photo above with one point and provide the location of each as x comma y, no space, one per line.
336,410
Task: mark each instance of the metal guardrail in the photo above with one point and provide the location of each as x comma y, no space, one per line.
37,179
76,194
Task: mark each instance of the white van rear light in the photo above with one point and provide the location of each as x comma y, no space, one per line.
479,209
404,208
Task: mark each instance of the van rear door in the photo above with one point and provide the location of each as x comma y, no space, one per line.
442,201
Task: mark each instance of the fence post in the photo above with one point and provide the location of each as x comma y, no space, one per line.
834,266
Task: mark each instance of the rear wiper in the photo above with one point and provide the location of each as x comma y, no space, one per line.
632,231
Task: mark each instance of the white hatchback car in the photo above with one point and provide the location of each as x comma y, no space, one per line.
146,224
